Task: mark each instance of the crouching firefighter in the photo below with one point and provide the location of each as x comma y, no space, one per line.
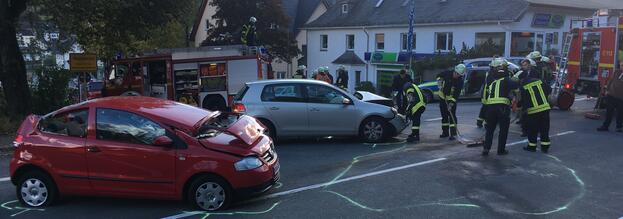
498,107
416,107
450,85
534,102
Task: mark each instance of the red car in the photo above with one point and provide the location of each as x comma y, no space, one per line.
142,147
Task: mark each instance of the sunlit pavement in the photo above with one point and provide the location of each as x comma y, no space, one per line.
343,178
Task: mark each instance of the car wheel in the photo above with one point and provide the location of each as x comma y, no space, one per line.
271,132
36,189
373,130
210,193
428,96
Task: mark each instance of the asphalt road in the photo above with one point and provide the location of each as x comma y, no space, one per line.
437,178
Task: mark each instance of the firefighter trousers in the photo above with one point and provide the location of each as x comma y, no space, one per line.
537,125
481,115
497,115
416,119
613,105
448,123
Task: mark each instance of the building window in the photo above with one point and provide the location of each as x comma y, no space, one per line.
443,41
403,39
344,8
357,77
491,43
522,43
350,42
380,41
324,42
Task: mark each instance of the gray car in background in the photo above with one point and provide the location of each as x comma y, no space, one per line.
309,108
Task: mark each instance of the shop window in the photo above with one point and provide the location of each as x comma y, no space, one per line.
492,43
522,43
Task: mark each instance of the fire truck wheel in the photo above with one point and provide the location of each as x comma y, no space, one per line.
214,103
565,100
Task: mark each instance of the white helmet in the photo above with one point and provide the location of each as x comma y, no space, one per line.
302,67
252,19
460,69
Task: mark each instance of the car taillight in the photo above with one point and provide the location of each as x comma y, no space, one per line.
567,86
19,141
239,108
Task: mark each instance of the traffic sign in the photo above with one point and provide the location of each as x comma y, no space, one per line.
81,62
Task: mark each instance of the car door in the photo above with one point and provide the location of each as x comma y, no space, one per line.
62,139
122,158
287,108
474,82
328,114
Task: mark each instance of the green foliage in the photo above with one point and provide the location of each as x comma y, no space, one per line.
128,26
365,86
50,90
487,49
8,124
272,26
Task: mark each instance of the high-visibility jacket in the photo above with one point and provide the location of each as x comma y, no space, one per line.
298,76
499,91
323,77
415,98
534,96
449,87
485,88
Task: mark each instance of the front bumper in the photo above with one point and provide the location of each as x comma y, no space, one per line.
262,187
399,123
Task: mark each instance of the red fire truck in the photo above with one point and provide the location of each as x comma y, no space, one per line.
594,55
206,77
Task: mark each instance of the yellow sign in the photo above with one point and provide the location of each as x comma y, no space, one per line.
80,62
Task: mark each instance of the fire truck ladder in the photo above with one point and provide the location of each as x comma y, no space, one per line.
562,66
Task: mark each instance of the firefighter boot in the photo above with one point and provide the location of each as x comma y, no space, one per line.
445,133
530,147
452,133
545,146
414,137
479,123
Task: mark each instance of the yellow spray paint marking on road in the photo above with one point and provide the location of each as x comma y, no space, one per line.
21,209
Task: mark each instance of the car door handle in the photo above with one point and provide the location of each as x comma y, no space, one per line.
93,149
274,108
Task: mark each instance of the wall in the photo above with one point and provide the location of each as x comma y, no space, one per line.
202,33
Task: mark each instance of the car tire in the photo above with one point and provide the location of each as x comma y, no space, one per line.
36,189
271,132
428,96
373,130
210,193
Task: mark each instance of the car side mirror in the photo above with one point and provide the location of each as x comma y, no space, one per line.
346,101
163,141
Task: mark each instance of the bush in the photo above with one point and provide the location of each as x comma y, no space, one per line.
365,86
8,125
50,90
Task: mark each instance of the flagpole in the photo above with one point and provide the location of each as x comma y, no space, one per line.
410,39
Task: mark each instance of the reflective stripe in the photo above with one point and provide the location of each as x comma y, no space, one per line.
480,119
530,144
494,94
536,107
420,103
546,143
452,125
445,124
415,128
451,98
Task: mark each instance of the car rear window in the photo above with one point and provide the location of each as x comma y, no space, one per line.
241,93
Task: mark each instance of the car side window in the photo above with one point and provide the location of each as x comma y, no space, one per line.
122,126
73,124
324,94
282,93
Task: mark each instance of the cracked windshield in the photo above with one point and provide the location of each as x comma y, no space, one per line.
311,109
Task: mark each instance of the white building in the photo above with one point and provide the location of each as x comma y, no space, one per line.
369,36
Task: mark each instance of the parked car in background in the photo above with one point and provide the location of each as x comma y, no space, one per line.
142,147
295,108
474,79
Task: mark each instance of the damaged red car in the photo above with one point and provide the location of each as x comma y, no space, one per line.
142,147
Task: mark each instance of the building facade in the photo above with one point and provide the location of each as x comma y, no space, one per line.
375,31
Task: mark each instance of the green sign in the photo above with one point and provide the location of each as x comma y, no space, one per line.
384,57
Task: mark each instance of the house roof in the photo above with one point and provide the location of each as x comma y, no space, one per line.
429,12
349,58
592,4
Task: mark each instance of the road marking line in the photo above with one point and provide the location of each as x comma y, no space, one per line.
435,119
310,187
185,214
5,179
525,141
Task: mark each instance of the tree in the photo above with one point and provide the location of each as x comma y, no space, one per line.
105,28
12,67
272,26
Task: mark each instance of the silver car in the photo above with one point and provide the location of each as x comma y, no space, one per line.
303,108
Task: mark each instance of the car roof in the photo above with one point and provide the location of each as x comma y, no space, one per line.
279,81
167,111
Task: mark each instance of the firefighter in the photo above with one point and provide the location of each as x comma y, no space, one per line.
416,107
450,85
483,99
300,72
527,69
499,106
342,77
534,93
323,75
398,83
249,33
542,69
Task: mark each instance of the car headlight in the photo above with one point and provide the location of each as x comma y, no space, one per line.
248,163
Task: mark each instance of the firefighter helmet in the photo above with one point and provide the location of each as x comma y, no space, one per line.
460,69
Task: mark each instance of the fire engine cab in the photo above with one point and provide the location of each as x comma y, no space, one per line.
206,77
596,49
